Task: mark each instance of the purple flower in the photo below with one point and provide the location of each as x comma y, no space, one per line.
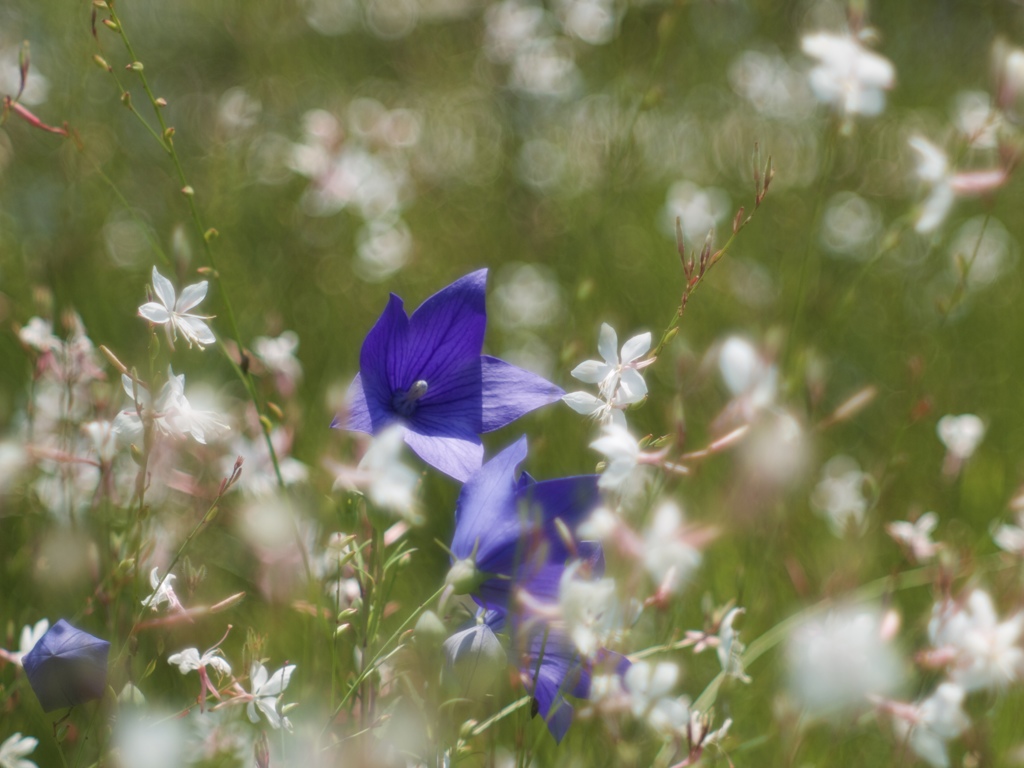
67,667
426,372
505,527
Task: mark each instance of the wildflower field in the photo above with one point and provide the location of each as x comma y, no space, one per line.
511,383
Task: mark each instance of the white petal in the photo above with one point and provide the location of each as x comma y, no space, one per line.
163,289
608,345
191,296
250,710
278,682
584,403
186,660
155,313
269,707
632,387
196,330
636,347
591,371
258,675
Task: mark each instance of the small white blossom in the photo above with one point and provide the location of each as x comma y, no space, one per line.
933,170
669,554
173,311
600,410
847,75
163,591
102,438
38,334
173,414
388,482
837,661
622,452
1010,538
278,354
985,653
927,726
189,660
266,691
591,611
14,749
917,536
730,649
649,688
839,495
961,434
30,635
619,381
750,378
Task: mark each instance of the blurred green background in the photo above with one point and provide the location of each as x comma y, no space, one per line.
570,170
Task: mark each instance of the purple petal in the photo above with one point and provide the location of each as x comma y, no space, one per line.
560,673
454,401
570,499
486,519
458,456
509,392
447,331
358,415
382,357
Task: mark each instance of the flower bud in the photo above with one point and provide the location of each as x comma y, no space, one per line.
67,667
475,660
463,577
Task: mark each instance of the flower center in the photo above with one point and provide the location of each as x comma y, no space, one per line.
405,402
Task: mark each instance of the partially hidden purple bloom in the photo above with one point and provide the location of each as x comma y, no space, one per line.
67,667
426,372
506,529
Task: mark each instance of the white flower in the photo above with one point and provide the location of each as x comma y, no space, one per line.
591,611
622,452
927,726
38,334
649,687
14,749
163,591
30,635
619,382
266,690
730,649
189,660
838,660
1010,538
697,210
917,536
173,414
839,495
390,484
961,434
172,311
278,354
751,379
985,653
668,554
103,439
847,75
933,170
600,410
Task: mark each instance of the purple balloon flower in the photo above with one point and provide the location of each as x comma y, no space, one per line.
67,667
505,527
426,372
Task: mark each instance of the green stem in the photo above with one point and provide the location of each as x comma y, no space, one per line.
166,141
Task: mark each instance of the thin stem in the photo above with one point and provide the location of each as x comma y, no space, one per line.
165,139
